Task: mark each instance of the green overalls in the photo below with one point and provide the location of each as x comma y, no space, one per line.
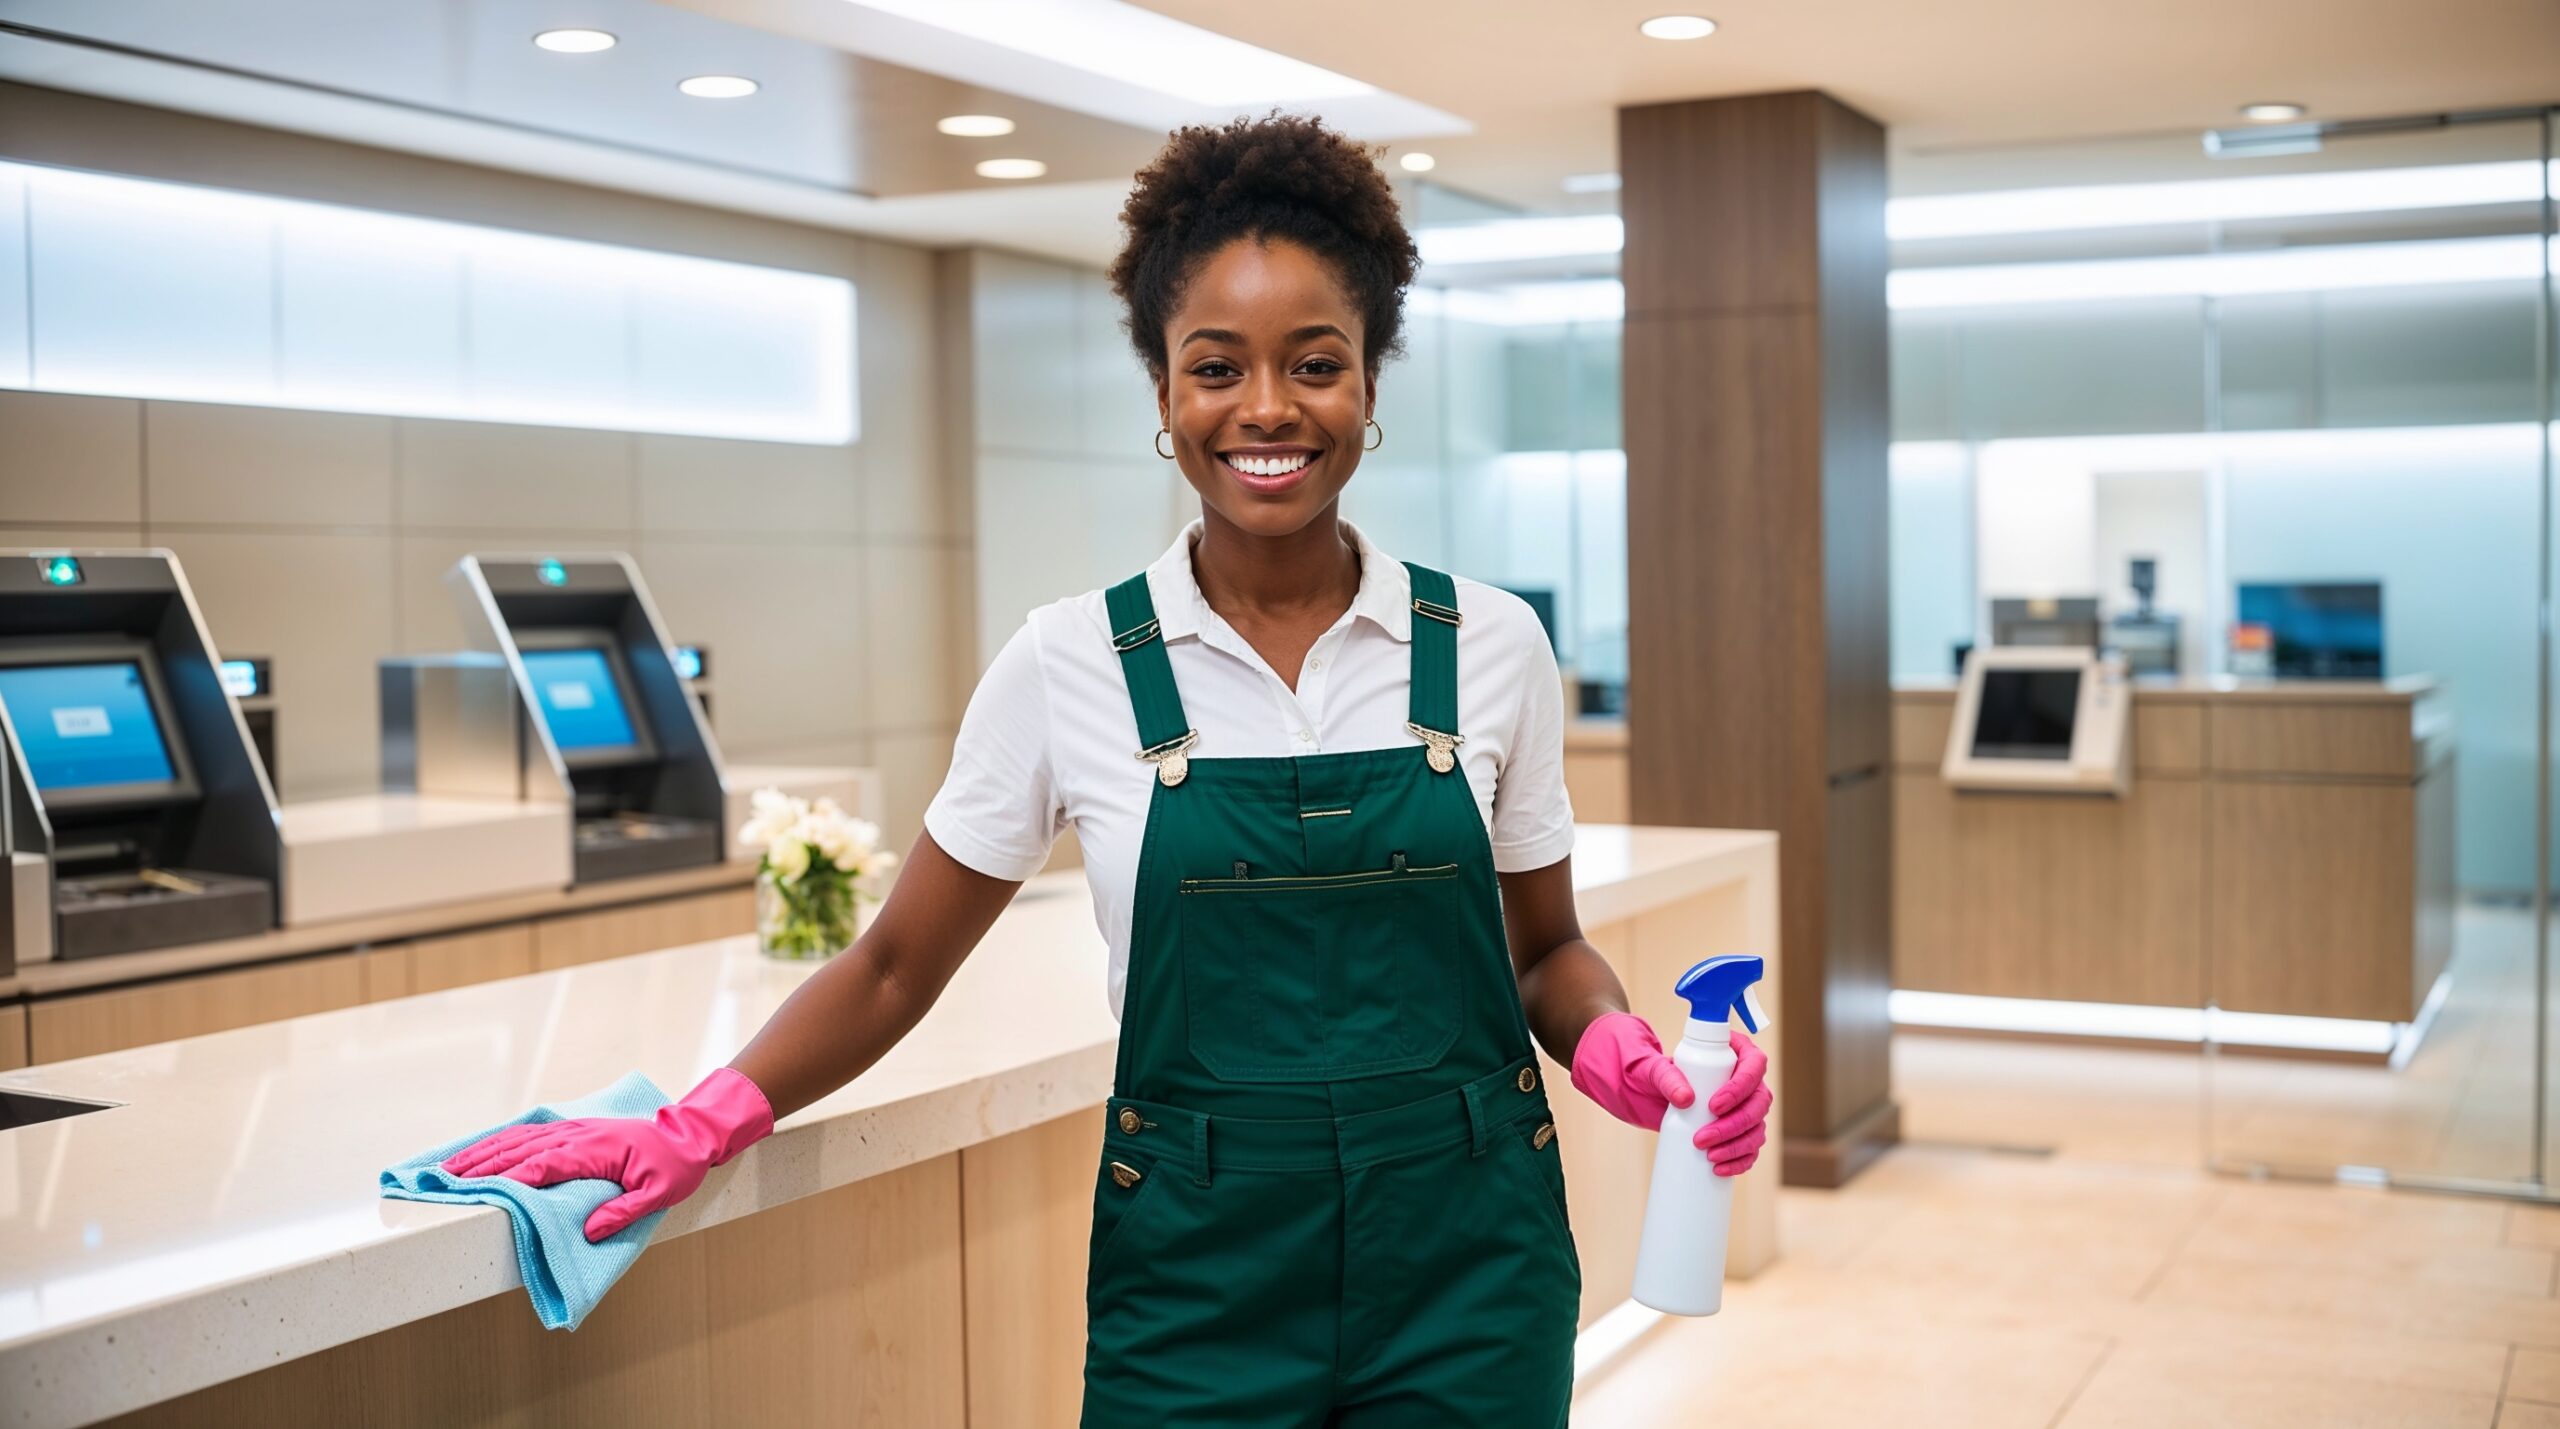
1330,1192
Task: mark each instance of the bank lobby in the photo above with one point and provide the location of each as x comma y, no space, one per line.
2037,527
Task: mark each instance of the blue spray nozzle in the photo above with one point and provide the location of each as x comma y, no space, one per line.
1721,987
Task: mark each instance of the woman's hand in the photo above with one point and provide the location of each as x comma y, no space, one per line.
1620,1064
656,1162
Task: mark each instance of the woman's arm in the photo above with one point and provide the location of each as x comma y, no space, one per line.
1577,1009
853,1010
1565,984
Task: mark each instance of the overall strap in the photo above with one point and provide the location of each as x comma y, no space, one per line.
1162,729
1432,711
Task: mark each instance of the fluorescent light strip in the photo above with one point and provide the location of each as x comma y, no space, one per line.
2050,210
1912,1008
2336,268
1516,240
1134,46
2055,210
794,330
2328,268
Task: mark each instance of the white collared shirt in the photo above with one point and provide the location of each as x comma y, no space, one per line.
1050,739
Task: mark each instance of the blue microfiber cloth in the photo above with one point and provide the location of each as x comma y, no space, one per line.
563,1273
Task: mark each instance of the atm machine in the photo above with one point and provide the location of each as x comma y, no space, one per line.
136,814
603,708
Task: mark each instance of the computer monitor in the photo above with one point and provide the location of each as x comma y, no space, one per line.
585,693
2330,630
2039,719
92,719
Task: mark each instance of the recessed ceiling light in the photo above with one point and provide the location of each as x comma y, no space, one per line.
574,42
1678,27
1418,163
719,86
2272,113
1591,183
976,126
1011,168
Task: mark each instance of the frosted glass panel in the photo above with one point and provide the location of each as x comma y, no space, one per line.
1932,562
2445,519
346,290
147,289
13,281
545,339
142,292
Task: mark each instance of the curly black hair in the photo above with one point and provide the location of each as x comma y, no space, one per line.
1281,176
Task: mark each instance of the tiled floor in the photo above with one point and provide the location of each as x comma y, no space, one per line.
2046,1252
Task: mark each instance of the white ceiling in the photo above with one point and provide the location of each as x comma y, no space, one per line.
1976,93
1542,81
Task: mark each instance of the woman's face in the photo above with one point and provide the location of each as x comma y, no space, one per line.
1264,390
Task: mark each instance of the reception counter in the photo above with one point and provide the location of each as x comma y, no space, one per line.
2284,847
908,1251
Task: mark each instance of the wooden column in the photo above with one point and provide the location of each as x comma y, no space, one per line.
1756,421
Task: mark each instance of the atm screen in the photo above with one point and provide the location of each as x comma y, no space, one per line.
2026,714
583,701
88,727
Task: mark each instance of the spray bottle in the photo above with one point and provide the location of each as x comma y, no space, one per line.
1680,1258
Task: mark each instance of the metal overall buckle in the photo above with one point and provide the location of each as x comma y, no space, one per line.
1172,758
1444,747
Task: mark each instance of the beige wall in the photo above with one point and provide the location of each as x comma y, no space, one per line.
1063,489
827,581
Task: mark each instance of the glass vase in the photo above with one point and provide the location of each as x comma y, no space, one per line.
809,918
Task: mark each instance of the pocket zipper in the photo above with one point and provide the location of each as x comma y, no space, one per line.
1245,881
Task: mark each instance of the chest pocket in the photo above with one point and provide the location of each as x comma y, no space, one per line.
1325,978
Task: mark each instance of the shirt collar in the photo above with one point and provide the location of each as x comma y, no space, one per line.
1385,596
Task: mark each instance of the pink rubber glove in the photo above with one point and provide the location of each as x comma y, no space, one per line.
656,1162
1620,1064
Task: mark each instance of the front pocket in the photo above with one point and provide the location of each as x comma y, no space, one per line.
1546,1167
1116,1208
1322,978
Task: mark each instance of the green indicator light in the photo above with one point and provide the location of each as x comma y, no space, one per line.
553,573
60,570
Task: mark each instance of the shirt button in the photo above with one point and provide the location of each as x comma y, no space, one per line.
1315,664
1306,736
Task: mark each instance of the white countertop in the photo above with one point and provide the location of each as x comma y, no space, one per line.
226,1216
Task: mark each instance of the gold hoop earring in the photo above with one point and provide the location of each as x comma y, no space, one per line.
1382,436
1161,434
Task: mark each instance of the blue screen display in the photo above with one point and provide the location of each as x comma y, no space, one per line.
85,726
2331,631
581,701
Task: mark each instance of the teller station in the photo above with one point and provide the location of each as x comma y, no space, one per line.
551,795
2068,835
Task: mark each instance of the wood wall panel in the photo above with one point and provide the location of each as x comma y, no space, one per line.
840,1309
482,956
2050,896
159,1012
2168,737
13,1038
642,928
2314,897
1027,1222
1755,429
2334,739
1920,725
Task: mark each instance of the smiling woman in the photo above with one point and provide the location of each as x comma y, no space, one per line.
1319,795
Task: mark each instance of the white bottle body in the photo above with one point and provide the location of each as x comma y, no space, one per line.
1680,1257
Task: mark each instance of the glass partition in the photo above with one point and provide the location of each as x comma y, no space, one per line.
2279,416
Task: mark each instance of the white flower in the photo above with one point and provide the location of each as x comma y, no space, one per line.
788,858
775,814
